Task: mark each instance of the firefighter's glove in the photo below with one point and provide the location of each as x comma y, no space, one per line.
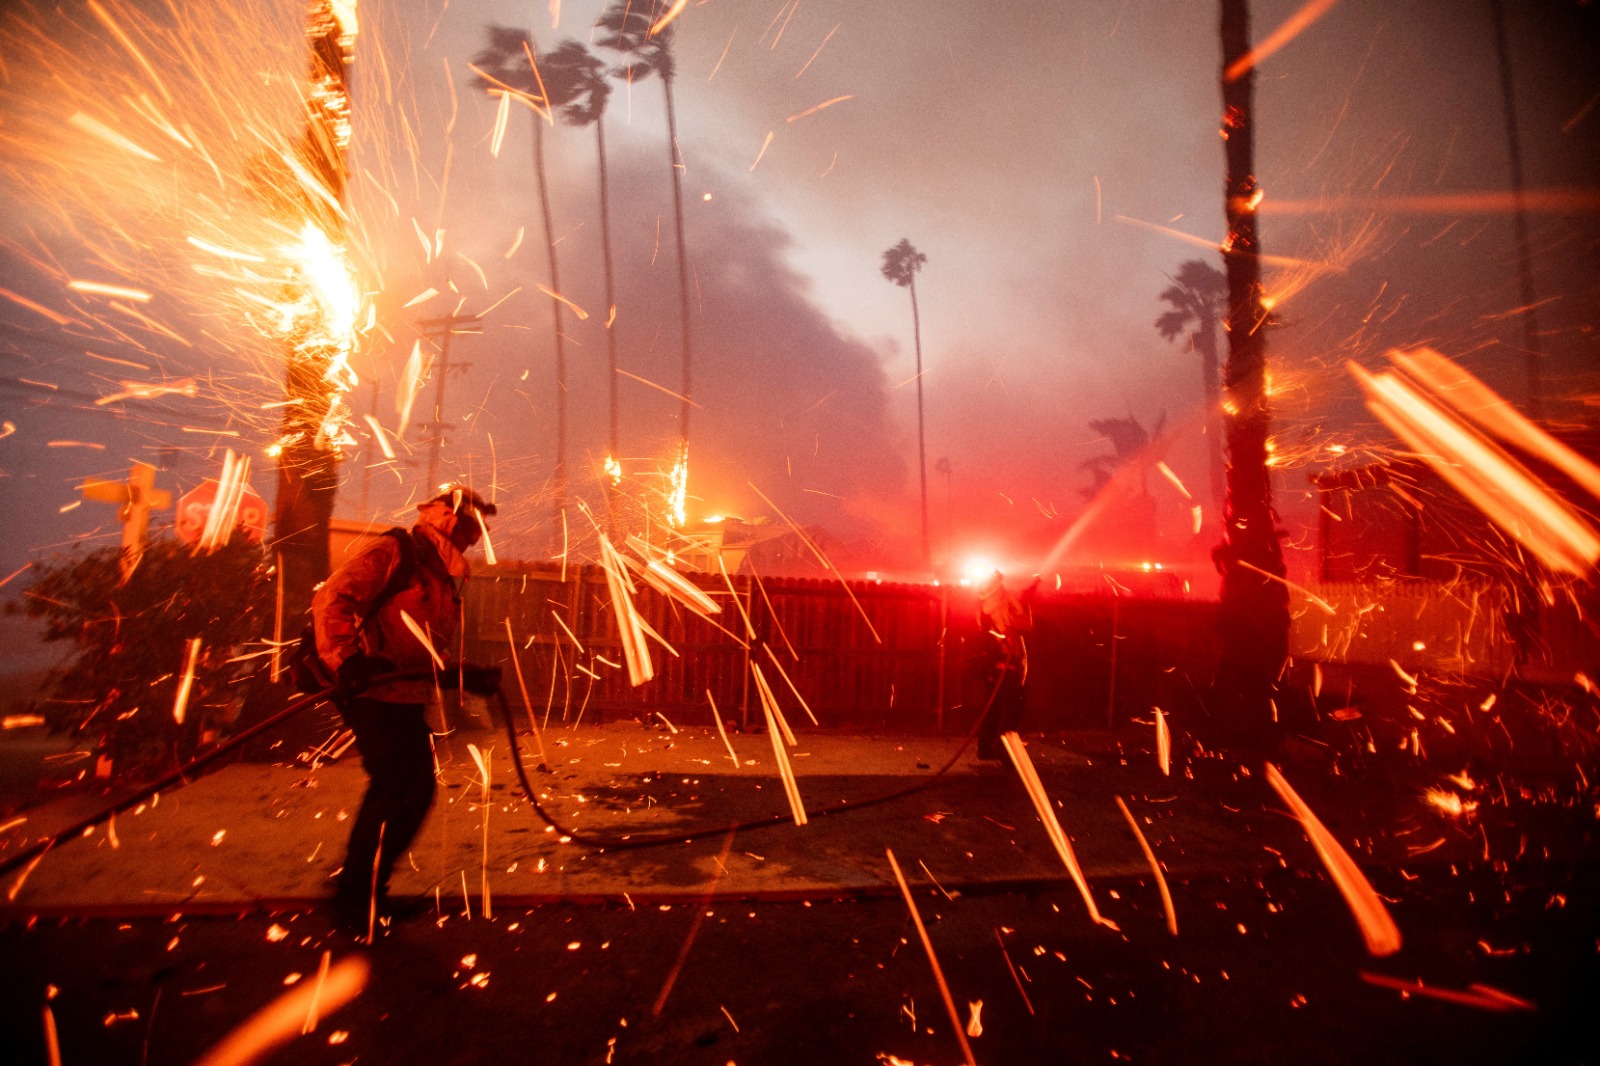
480,680
357,672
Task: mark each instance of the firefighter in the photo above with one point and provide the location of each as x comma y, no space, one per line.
360,615
1003,618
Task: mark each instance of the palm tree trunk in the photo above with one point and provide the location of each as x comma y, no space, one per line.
683,266
614,442
922,450
1254,600
555,310
1205,342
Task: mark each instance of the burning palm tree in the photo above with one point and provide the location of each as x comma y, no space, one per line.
320,317
643,33
1255,600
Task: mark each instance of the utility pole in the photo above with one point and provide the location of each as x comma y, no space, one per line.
442,329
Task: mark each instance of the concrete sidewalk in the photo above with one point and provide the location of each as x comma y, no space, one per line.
269,837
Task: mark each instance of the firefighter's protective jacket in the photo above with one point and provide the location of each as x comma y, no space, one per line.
431,600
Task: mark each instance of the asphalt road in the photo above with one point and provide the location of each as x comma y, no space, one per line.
1267,969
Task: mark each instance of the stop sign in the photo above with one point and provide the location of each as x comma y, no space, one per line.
194,509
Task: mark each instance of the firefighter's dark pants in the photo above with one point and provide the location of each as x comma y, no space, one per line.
396,751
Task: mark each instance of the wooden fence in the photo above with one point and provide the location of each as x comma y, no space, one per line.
863,656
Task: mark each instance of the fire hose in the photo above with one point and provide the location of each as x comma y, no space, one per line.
186,772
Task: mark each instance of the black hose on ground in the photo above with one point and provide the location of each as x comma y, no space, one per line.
180,776
633,842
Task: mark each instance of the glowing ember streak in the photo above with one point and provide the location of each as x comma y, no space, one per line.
629,625
1496,484
410,382
1155,868
186,682
770,698
1475,995
663,388
778,733
1163,743
675,585
933,960
522,685
1377,927
1464,203
815,54
764,146
1307,593
482,759
102,289
380,436
785,675
501,117
1041,804
671,13
819,107
580,312
716,716
422,638
99,129
36,308
1292,27
285,1017
488,545
135,390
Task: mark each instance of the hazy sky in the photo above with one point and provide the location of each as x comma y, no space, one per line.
1053,161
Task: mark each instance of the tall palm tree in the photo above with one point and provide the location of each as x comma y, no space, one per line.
507,62
900,265
1254,600
574,74
1198,297
633,27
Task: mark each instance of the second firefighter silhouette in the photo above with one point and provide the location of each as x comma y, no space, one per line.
1002,656
371,617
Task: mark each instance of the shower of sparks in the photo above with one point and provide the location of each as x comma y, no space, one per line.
1155,867
1503,489
1475,995
286,1017
933,960
1052,827
191,656
1377,927
194,187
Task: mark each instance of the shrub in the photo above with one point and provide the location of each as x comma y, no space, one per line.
131,641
